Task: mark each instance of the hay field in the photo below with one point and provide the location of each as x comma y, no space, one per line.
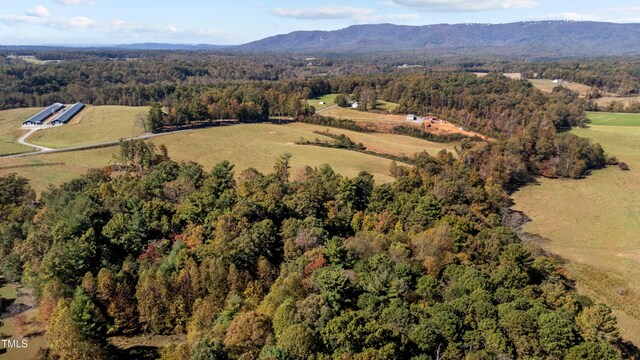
10,132
384,143
328,100
605,101
250,145
94,124
594,223
548,85
613,119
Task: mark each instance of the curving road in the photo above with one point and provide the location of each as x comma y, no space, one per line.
23,139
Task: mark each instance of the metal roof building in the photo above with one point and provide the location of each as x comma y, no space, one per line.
43,115
68,114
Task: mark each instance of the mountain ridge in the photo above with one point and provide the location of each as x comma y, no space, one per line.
521,38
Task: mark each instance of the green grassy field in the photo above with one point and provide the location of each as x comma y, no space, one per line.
328,100
594,223
387,143
93,125
10,122
386,106
613,119
251,145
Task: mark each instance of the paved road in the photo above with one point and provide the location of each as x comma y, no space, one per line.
325,109
46,150
23,142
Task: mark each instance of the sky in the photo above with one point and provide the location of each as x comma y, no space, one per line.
108,22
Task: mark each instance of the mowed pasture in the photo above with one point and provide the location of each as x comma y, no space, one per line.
327,100
594,223
613,119
249,145
548,86
10,132
94,124
602,102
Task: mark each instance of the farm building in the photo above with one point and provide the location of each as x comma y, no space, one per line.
43,115
558,81
355,105
416,119
68,114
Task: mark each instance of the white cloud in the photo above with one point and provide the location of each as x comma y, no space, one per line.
323,12
75,2
38,11
624,10
115,28
465,5
615,15
355,14
60,23
572,16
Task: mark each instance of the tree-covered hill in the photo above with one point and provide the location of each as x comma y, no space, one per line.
537,38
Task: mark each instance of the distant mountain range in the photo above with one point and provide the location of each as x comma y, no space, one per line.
141,46
539,38
535,38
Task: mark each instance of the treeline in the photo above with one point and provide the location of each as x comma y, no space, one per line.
245,103
131,81
269,266
524,121
342,141
132,77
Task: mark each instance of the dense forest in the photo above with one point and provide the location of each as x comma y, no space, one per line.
275,267
314,265
120,77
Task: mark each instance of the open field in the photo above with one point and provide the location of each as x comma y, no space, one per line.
328,100
548,85
251,145
384,122
353,114
613,119
10,122
386,106
602,102
594,222
384,143
93,125
605,101
515,76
